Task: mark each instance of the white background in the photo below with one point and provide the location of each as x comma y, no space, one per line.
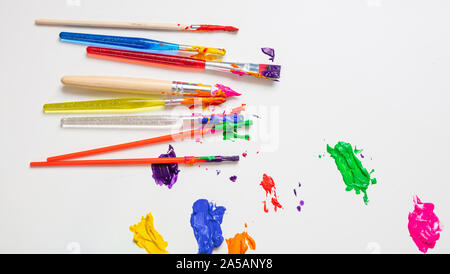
370,72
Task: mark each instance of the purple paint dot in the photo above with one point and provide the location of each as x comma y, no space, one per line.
362,156
218,172
295,192
233,178
302,202
299,184
299,208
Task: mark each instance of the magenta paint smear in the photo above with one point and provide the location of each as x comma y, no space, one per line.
268,185
424,227
244,154
166,174
228,91
233,178
270,52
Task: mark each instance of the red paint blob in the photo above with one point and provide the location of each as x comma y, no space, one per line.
268,185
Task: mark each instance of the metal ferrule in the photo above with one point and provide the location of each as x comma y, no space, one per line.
194,27
226,66
173,102
182,87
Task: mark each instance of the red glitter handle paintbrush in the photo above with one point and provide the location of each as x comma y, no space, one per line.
271,72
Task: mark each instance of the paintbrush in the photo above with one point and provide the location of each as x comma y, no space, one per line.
131,25
149,121
148,86
127,105
271,72
226,127
135,44
140,161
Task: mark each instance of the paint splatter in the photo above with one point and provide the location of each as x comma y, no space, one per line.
238,244
301,202
166,174
424,227
238,110
244,154
206,219
270,52
146,236
269,186
233,178
217,171
355,176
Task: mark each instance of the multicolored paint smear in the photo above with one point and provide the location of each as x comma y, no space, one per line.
269,186
146,236
270,52
301,202
238,244
424,227
166,174
206,219
355,176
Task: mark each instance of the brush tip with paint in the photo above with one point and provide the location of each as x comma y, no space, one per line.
225,91
270,71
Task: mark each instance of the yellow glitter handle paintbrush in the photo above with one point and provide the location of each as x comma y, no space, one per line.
126,105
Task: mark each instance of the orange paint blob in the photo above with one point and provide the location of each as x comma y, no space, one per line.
238,244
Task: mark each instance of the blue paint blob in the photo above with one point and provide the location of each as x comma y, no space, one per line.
206,219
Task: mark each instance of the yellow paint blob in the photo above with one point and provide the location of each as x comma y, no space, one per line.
146,236
238,244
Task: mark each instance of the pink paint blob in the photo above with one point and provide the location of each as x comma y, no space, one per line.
423,225
238,72
228,91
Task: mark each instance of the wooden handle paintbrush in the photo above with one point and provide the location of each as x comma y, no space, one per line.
132,25
148,86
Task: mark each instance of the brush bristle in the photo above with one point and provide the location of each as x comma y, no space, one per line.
224,90
270,71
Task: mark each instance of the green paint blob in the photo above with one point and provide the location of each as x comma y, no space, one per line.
355,176
230,130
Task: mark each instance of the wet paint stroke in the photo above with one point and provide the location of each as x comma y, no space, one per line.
270,52
166,174
268,185
224,91
206,219
355,176
240,243
145,236
233,178
423,225
301,202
